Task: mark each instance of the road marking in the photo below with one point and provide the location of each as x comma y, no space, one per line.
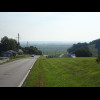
23,79
26,75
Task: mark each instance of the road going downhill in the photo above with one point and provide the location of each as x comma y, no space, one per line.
12,73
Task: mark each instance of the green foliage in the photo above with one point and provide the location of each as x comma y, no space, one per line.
82,52
97,42
93,46
5,43
12,44
8,44
32,50
97,45
93,50
98,59
77,46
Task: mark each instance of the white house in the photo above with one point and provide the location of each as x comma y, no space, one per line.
20,51
73,55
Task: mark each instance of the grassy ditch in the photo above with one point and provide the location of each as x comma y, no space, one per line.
64,72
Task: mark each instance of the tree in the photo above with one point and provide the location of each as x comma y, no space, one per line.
5,43
0,49
12,44
32,50
82,52
77,46
8,44
97,44
40,52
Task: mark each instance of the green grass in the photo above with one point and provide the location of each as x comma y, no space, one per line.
21,56
16,58
64,72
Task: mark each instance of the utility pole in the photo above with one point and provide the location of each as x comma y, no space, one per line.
27,43
18,41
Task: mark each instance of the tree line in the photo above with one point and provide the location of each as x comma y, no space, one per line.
31,50
85,50
11,44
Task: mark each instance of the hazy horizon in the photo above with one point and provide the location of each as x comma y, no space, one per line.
50,26
54,42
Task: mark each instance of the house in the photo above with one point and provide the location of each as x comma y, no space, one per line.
9,53
72,55
20,52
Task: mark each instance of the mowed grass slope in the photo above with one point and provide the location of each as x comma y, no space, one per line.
64,72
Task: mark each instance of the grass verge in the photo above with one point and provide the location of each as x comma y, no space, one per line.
64,72
16,58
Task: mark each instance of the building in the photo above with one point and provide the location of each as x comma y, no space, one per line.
9,53
72,55
20,52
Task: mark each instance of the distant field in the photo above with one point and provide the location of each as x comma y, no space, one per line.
64,72
50,48
54,49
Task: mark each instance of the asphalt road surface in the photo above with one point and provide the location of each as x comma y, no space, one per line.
12,73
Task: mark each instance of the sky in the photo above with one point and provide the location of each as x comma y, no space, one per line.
50,26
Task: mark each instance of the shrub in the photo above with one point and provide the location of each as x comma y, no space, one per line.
83,52
98,59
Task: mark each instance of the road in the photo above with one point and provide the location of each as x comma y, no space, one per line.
61,55
12,73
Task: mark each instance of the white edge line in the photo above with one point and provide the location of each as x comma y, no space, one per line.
25,76
23,79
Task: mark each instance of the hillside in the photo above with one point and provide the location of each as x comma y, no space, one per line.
97,44
93,47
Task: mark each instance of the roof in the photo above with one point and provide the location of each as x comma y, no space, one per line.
10,51
73,55
20,50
